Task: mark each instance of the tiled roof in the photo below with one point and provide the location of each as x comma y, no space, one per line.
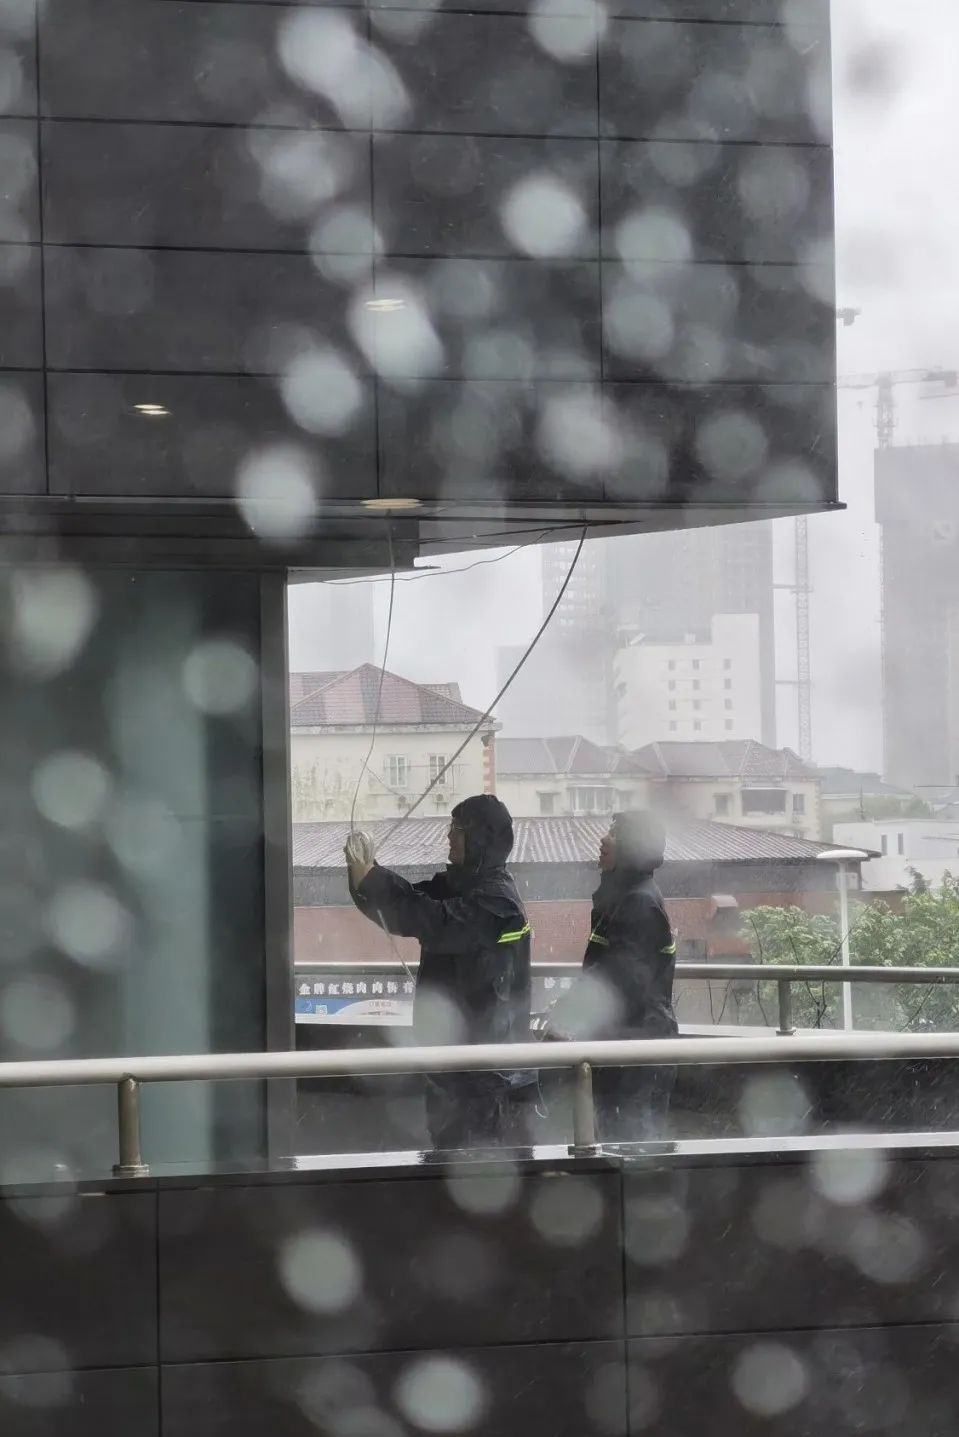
304,684
840,781
562,756
734,758
422,842
349,700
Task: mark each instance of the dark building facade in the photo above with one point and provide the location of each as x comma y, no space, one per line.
263,266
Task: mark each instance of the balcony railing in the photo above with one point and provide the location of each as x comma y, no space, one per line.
579,1058
784,975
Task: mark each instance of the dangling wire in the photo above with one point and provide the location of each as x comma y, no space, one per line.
379,690
488,712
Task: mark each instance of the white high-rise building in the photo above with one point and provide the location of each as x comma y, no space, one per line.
705,686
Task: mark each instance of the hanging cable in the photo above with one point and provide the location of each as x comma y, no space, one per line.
379,690
487,714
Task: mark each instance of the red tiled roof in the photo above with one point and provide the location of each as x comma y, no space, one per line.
350,701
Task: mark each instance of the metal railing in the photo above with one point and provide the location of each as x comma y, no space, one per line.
127,1074
784,975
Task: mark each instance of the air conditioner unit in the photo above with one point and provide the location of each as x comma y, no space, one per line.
440,796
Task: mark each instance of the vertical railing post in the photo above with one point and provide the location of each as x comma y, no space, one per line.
786,1029
131,1164
584,1115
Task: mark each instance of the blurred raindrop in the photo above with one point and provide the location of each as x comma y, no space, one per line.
37,1013
394,329
643,1395
543,217
773,1104
438,1019
576,433
11,80
638,325
567,29
54,611
324,52
142,832
71,789
86,921
654,234
29,1354
300,170
567,1212
485,1196
16,422
220,676
887,1248
440,1394
341,244
773,186
321,392
18,165
849,1175
320,1271
276,492
658,1230
769,1379
731,446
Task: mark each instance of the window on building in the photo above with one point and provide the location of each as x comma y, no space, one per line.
729,725
437,765
901,843
547,804
591,800
695,683
729,703
799,803
672,706
727,663
672,686
671,665
695,663
696,705
672,727
764,800
697,727
398,771
723,804
884,845
727,683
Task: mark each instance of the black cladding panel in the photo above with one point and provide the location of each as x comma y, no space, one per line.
629,220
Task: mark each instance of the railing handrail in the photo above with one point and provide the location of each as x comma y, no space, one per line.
751,972
127,1073
479,1057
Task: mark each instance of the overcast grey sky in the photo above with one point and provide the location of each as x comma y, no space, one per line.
897,158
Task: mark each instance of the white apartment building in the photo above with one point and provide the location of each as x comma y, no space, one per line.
699,687
416,730
929,846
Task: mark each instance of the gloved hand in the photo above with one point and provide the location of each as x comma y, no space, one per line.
360,854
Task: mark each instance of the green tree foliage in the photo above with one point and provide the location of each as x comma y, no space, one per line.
923,932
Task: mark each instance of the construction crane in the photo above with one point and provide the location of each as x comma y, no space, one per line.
884,384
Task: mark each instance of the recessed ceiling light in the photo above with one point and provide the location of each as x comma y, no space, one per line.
385,305
391,503
154,411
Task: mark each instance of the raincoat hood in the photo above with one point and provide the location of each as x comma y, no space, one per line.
488,827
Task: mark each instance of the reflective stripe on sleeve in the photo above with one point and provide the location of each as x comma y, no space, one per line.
515,936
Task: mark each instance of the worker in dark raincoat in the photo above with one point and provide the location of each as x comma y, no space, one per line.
626,986
474,976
